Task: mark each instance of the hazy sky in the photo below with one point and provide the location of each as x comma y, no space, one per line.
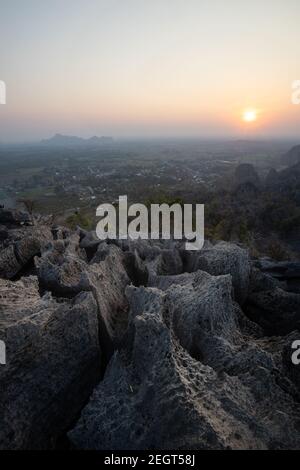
148,67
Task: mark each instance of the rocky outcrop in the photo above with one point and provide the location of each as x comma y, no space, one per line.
177,396
19,248
272,179
64,270
289,181
53,362
223,258
89,242
277,311
157,256
155,347
271,302
107,279
12,218
287,273
292,157
245,175
60,268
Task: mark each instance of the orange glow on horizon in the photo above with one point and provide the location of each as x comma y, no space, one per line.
250,115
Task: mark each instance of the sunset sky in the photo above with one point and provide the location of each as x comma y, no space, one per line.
149,68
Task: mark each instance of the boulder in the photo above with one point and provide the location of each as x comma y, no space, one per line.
89,242
21,247
12,217
286,273
61,268
275,310
223,258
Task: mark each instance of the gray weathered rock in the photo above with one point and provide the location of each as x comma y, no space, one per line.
12,217
21,247
187,368
89,242
63,270
275,310
166,399
223,258
157,256
107,278
53,362
287,273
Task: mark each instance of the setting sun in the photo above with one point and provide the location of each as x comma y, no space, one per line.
250,115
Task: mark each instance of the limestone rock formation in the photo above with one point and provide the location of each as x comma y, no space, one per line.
245,175
63,269
53,362
277,311
107,279
292,157
143,345
223,258
272,179
13,218
287,273
19,248
61,266
167,399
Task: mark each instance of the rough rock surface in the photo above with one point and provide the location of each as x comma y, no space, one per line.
176,345
277,311
20,247
63,269
13,218
223,258
107,279
158,257
166,399
53,362
61,266
286,272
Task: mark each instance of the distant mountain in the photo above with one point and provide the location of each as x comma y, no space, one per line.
286,182
272,178
292,157
290,177
59,139
245,174
100,140
71,141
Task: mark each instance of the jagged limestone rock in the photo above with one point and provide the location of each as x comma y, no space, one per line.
53,362
224,258
188,369
60,268
275,310
155,395
21,247
63,270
